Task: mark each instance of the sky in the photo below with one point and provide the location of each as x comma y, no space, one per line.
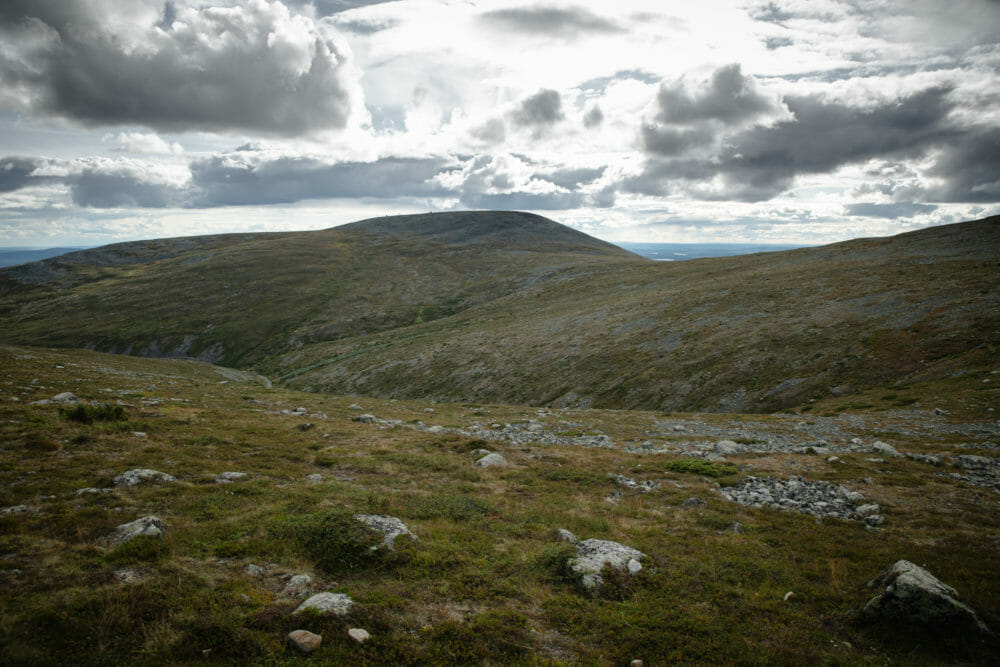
788,121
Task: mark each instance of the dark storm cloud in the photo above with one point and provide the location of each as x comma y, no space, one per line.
246,67
668,141
729,97
761,161
550,21
224,181
970,168
541,109
890,211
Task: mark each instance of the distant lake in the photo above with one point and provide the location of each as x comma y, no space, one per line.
675,252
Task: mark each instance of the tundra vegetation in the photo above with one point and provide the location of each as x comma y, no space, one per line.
244,495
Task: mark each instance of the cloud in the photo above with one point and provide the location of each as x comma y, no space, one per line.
550,21
247,179
103,183
819,136
544,108
140,142
728,96
248,67
890,211
511,182
17,172
593,117
492,131
969,167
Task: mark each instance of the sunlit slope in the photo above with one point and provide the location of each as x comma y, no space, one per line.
751,333
237,299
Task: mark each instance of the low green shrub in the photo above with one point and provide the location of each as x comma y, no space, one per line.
88,414
333,539
701,467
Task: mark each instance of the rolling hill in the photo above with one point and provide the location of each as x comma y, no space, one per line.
512,307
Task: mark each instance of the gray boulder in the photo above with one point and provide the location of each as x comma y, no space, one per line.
884,448
335,604
725,447
140,475
228,477
593,555
911,595
149,526
389,526
564,535
298,586
493,459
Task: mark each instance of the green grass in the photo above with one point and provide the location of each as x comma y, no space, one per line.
486,582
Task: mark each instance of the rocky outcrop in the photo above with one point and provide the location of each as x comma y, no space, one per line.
593,555
796,494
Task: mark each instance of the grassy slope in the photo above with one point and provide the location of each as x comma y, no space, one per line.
484,582
754,333
446,306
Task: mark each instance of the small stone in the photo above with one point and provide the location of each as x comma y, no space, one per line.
436,429
832,459
389,526
359,635
306,427
428,409
140,475
298,586
65,398
693,502
336,604
229,477
564,535
493,459
315,477
875,520
634,567
788,596
635,663
138,434
727,447
90,489
255,570
865,510
304,641
365,418
884,448
354,406
149,526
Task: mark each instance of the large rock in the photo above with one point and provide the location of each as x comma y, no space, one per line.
389,526
593,555
913,596
492,459
140,475
149,526
304,641
336,604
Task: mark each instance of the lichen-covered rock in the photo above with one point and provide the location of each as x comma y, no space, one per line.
910,594
564,535
228,477
149,526
140,475
885,448
593,555
336,604
360,635
389,526
298,586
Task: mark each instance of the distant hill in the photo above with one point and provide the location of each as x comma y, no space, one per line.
511,307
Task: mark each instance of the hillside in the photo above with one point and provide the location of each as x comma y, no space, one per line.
255,490
509,307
